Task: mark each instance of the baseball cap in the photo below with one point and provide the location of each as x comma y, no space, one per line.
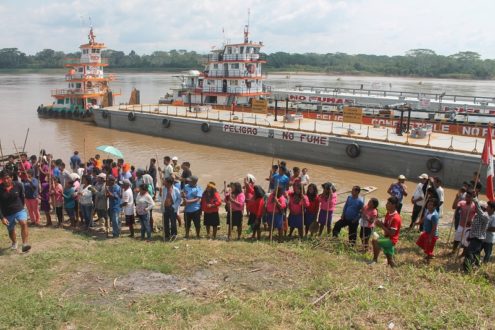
102,175
402,177
423,176
175,158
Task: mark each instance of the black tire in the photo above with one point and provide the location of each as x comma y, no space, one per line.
166,122
434,165
353,150
205,127
131,116
104,114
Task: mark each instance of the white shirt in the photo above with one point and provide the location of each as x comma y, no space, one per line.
127,197
419,193
305,179
168,171
441,199
490,237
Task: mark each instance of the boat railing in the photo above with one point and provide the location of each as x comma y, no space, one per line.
400,95
235,73
237,57
76,91
234,90
68,61
383,129
78,76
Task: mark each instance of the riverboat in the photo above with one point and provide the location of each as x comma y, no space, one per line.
87,85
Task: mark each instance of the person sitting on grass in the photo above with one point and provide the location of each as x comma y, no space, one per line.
12,209
429,236
351,214
367,222
391,229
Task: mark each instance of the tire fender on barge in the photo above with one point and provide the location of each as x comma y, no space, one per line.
434,165
166,122
353,150
131,116
205,127
104,114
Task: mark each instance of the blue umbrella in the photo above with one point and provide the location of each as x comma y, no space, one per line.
111,150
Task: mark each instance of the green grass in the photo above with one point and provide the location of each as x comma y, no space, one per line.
66,281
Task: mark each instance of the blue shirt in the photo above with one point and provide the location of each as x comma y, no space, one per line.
115,198
430,220
31,189
75,161
69,201
352,208
282,180
192,193
398,191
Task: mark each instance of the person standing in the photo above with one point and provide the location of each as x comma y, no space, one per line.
236,200
298,202
367,222
391,230
192,195
275,208
399,190
210,204
429,235
168,170
171,200
45,202
256,207
75,161
12,210
311,211
86,191
57,194
128,205
418,198
144,203
114,200
152,171
487,245
305,177
327,200
467,212
437,182
350,215
70,202
31,193
101,199
477,234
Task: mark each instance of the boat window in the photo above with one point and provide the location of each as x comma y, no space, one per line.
242,49
215,66
229,50
85,51
234,83
78,85
60,101
80,69
234,66
67,101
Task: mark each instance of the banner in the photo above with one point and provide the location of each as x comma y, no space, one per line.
353,115
259,106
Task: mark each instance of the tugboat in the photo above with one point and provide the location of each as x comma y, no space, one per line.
231,78
88,88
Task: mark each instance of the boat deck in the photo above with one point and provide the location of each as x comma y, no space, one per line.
439,141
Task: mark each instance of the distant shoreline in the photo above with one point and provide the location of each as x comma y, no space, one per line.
62,71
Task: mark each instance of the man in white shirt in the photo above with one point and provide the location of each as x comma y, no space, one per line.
441,195
169,169
418,198
128,205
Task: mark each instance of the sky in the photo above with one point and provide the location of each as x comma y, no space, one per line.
381,27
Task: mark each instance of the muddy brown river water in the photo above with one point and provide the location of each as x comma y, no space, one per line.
22,93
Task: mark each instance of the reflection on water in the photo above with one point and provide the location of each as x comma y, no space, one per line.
21,94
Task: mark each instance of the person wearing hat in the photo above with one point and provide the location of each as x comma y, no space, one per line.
192,195
12,209
351,213
128,205
210,204
328,201
101,199
114,200
399,190
176,166
418,198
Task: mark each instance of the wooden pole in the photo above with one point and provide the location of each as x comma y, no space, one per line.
273,212
25,141
2,161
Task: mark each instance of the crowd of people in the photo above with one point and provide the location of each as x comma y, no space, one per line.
117,194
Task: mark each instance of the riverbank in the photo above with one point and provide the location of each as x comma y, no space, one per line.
79,280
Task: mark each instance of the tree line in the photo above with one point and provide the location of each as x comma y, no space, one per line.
416,62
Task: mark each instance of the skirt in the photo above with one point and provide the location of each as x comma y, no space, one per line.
212,219
295,220
322,219
236,218
309,218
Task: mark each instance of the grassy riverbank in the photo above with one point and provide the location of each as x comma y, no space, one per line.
76,280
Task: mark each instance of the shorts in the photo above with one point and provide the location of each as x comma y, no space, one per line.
365,232
387,246
459,235
129,220
15,218
278,220
295,221
211,219
322,218
102,214
309,218
194,217
427,244
236,218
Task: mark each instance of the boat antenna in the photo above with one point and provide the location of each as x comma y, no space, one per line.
246,28
223,35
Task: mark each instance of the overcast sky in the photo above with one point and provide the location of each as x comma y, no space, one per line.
385,27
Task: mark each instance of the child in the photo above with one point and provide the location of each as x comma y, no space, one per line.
70,202
57,194
256,207
45,202
298,202
429,236
304,177
312,210
210,202
367,222
275,212
236,199
328,200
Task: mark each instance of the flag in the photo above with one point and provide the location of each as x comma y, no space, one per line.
487,159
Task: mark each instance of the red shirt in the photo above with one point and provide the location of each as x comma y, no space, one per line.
296,208
314,206
256,206
393,221
216,201
467,213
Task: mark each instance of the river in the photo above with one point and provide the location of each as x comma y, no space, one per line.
22,93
